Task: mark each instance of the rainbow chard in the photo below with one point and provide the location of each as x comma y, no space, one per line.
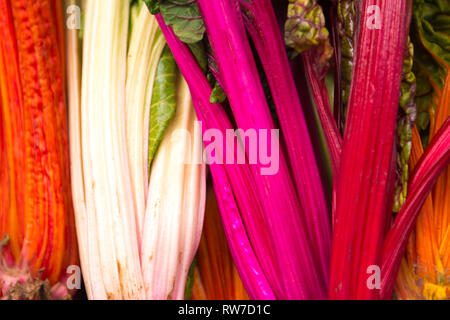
273,236
214,117
364,202
430,166
348,14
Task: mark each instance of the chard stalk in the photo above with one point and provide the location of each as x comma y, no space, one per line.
76,167
434,161
36,204
145,48
175,205
110,209
232,51
425,266
362,188
305,31
260,21
216,277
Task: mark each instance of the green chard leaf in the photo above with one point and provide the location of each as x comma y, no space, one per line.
184,17
199,51
188,25
217,94
163,105
431,37
153,6
406,118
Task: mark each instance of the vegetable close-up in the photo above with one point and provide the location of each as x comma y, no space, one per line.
224,150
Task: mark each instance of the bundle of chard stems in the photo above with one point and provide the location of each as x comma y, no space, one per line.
224,150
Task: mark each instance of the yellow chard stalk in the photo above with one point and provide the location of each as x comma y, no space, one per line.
425,271
145,48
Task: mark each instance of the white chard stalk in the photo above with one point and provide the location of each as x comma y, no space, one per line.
175,205
146,46
110,208
76,166
137,235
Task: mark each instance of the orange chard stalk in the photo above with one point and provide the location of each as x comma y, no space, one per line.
215,276
36,216
425,270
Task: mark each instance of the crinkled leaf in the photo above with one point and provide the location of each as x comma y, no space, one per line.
305,29
182,15
406,118
187,24
185,19
163,105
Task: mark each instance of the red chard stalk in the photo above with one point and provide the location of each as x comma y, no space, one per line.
363,185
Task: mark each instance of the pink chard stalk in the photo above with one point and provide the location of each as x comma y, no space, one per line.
285,216
261,23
